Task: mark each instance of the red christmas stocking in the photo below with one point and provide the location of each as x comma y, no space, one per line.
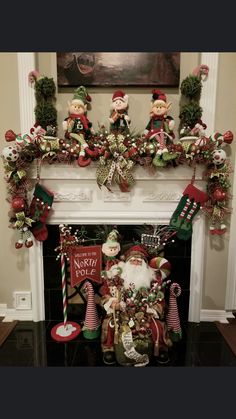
39,210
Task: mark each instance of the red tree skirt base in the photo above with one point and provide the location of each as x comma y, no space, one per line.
64,334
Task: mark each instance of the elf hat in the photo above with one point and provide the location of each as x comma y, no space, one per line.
136,251
81,96
119,94
158,95
112,237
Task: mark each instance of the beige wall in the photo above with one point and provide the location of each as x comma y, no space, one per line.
217,250
14,264
14,274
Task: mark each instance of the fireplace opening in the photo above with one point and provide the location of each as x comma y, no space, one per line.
177,252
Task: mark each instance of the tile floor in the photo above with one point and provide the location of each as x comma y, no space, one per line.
30,344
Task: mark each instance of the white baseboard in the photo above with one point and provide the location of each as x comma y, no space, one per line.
11,314
216,315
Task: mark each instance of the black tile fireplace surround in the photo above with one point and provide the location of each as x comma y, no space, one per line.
178,254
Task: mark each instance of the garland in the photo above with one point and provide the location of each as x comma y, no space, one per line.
117,153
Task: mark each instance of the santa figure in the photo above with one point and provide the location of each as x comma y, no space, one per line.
134,273
135,269
119,119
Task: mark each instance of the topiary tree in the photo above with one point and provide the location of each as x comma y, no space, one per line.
45,111
190,110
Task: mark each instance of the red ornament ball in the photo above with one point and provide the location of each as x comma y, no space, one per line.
228,137
219,195
18,204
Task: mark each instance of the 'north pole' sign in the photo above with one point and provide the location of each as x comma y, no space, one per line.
85,263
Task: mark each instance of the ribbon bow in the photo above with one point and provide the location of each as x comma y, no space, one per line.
22,220
19,173
116,166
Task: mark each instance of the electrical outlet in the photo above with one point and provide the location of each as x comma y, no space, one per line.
22,300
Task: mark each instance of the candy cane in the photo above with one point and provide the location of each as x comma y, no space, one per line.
63,277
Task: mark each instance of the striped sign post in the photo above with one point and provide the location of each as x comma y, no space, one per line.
65,331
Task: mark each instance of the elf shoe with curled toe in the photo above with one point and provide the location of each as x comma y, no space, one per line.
109,358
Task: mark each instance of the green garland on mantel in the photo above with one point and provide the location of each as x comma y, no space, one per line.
117,153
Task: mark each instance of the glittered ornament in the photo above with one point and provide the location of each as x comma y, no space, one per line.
18,204
10,153
219,195
228,137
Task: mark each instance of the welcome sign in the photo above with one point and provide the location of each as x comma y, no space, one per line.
85,263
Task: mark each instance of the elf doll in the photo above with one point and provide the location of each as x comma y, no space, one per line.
119,119
77,121
77,126
160,128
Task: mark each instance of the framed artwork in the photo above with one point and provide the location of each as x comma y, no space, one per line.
118,69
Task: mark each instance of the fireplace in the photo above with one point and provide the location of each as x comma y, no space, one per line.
79,201
178,253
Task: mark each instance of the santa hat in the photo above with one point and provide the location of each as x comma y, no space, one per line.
158,95
81,96
119,94
136,251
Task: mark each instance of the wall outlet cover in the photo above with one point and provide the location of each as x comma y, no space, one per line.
22,300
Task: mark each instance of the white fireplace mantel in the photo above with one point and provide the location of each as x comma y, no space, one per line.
152,200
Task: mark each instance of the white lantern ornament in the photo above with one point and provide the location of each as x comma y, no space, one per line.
218,157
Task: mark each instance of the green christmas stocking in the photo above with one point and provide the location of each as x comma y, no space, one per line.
186,210
39,210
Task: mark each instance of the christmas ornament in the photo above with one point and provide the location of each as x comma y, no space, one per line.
91,328
173,322
218,157
189,205
39,210
18,204
10,153
162,265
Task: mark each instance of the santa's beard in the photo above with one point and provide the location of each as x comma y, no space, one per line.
139,275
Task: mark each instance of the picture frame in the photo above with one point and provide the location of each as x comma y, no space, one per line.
118,69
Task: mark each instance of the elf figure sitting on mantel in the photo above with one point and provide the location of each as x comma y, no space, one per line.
160,128
77,126
119,119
